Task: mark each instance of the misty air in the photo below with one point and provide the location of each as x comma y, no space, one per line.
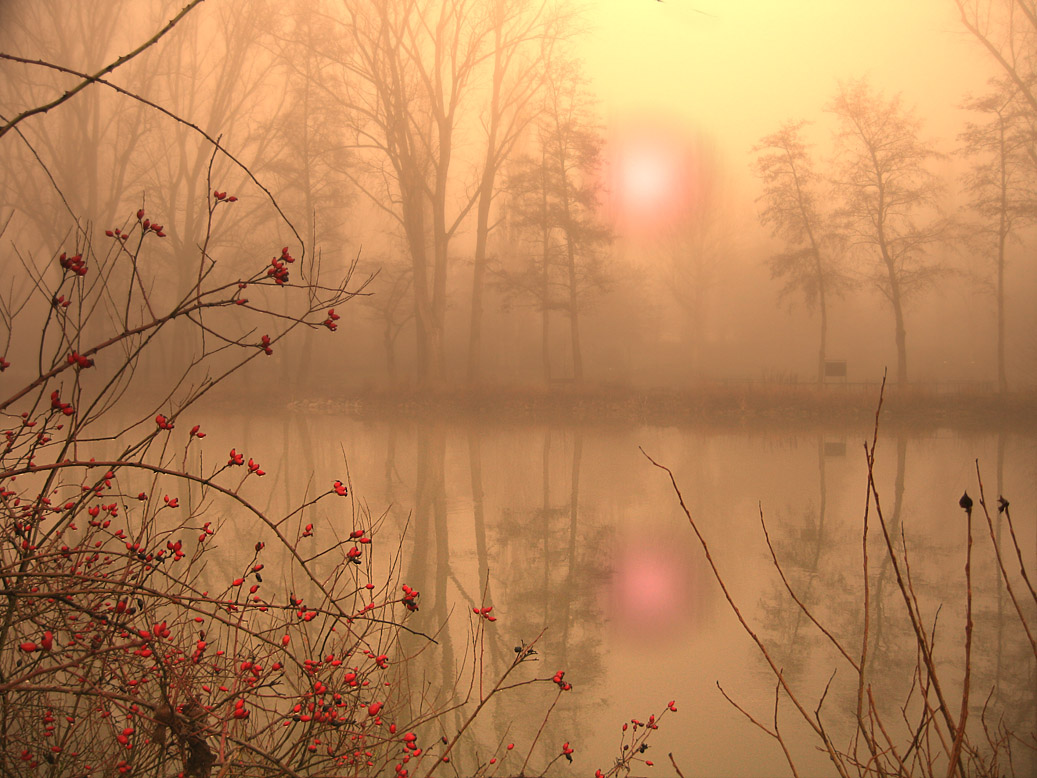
518,388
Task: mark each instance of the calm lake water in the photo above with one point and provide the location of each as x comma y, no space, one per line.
573,533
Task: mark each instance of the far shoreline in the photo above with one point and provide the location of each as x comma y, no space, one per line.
723,404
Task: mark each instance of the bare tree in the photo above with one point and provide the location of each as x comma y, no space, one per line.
1007,30
524,33
223,99
411,71
305,157
556,197
87,155
573,145
885,188
390,305
795,212
697,245
1000,186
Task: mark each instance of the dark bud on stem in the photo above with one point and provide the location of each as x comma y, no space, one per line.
966,502
1002,504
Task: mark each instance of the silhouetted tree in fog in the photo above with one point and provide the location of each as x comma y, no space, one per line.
1007,30
1000,186
230,78
524,33
410,73
89,150
390,304
798,212
305,159
555,197
572,148
697,245
886,189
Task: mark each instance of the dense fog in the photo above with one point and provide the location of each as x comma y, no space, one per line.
629,193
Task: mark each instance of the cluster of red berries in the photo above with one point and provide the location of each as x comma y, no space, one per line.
75,263
410,598
278,269
75,358
485,613
56,404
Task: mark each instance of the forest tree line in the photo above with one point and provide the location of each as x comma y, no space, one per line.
455,150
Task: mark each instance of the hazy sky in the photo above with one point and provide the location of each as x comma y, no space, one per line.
736,69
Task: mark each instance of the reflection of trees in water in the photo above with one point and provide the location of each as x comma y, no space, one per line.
824,569
429,570
551,555
799,546
1009,670
557,556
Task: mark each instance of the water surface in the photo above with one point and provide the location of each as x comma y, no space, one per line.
572,533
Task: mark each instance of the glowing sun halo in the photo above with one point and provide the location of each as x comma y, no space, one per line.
653,174
648,177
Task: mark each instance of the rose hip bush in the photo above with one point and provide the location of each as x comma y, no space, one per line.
139,634
120,651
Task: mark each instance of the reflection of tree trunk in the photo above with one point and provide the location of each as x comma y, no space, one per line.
819,542
443,570
478,512
823,497
574,511
1001,614
894,533
430,542
546,528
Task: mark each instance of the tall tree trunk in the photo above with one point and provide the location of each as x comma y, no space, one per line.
895,297
822,353
900,335
441,247
574,310
414,228
389,343
545,278
1002,375
482,215
570,255
478,279
1002,235
572,584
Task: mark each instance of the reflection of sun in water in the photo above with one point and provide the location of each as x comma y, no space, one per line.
651,592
